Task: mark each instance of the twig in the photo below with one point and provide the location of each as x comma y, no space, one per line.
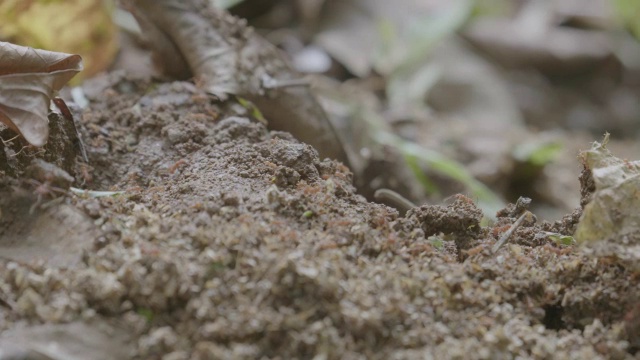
10,140
7,303
398,201
271,83
525,215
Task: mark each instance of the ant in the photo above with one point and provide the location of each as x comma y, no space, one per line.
48,180
42,190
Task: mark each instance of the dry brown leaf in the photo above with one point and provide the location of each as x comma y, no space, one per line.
228,58
28,79
533,38
382,35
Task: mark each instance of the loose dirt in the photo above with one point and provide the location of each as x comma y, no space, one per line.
233,241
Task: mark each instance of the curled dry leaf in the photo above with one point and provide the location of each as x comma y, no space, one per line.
28,79
192,38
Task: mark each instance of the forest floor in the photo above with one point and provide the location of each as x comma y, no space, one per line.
228,240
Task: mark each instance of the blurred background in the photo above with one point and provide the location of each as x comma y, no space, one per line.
490,98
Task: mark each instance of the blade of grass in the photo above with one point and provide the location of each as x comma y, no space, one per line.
488,201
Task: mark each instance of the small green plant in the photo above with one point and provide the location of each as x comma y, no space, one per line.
560,239
146,313
436,242
253,110
629,14
418,155
538,153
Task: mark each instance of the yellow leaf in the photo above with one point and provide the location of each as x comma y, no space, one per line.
81,27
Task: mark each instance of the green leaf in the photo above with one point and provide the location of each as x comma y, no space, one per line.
487,199
560,239
253,109
629,14
436,241
414,164
146,313
537,153
419,156
409,50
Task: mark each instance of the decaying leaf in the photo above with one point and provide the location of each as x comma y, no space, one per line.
533,38
384,36
228,58
30,236
610,223
28,79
